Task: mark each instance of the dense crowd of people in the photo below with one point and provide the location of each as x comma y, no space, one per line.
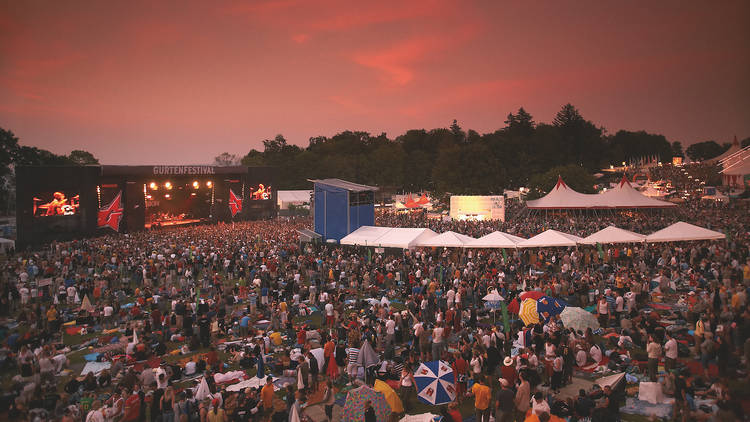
167,309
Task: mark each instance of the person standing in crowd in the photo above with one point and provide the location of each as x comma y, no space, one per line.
482,397
653,349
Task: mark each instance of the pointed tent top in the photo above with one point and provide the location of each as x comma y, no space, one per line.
625,181
560,183
735,142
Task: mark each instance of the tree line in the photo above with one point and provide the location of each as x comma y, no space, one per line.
458,161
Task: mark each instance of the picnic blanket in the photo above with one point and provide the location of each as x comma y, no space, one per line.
95,367
634,406
253,382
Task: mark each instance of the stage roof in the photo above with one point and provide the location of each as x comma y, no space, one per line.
343,184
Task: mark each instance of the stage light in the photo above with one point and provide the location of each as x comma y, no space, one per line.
153,186
196,184
168,185
148,197
209,183
192,194
167,196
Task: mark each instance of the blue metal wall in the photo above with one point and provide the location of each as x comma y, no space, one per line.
361,215
334,218
331,205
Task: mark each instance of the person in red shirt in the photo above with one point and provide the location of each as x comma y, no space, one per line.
132,407
460,367
508,371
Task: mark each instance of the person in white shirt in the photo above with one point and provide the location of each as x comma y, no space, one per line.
596,353
450,295
539,405
671,352
390,331
581,357
437,341
329,314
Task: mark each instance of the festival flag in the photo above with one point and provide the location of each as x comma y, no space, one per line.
506,317
235,203
110,215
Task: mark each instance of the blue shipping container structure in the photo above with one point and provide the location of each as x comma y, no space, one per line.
340,207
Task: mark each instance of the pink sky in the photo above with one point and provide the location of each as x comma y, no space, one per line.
181,81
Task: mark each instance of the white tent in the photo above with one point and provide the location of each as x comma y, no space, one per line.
448,239
495,240
388,237
364,236
550,238
613,234
6,244
284,198
733,149
405,238
625,196
622,196
682,231
561,196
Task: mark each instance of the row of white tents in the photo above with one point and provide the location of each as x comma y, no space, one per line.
408,238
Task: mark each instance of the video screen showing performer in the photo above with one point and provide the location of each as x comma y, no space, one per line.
56,203
261,193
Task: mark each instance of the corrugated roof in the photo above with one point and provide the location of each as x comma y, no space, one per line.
343,184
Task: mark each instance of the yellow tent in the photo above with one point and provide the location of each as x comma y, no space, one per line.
390,396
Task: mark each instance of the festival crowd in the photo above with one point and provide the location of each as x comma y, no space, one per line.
169,320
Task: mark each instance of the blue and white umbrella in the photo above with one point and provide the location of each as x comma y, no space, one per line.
492,300
435,382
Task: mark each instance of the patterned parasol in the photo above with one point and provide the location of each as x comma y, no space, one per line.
528,313
354,408
435,382
549,307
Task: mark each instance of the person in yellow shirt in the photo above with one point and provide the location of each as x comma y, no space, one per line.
482,395
52,318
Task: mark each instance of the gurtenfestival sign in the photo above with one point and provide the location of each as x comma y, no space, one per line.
178,170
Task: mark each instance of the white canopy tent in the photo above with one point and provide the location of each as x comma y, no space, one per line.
682,231
448,239
365,236
623,196
388,237
496,240
6,244
613,234
550,239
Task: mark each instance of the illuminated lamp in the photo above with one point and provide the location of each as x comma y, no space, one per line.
148,197
196,185
153,186
192,194
209,183
167,196
168,185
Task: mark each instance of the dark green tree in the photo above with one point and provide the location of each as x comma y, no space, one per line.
704,150
677,149
82,158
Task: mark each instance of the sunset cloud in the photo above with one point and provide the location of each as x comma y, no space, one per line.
214,77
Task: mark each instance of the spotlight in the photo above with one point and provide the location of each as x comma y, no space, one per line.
148,196
209,183
153,186
196,185
167,196
168,185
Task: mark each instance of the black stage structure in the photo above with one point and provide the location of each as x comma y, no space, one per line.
68,202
